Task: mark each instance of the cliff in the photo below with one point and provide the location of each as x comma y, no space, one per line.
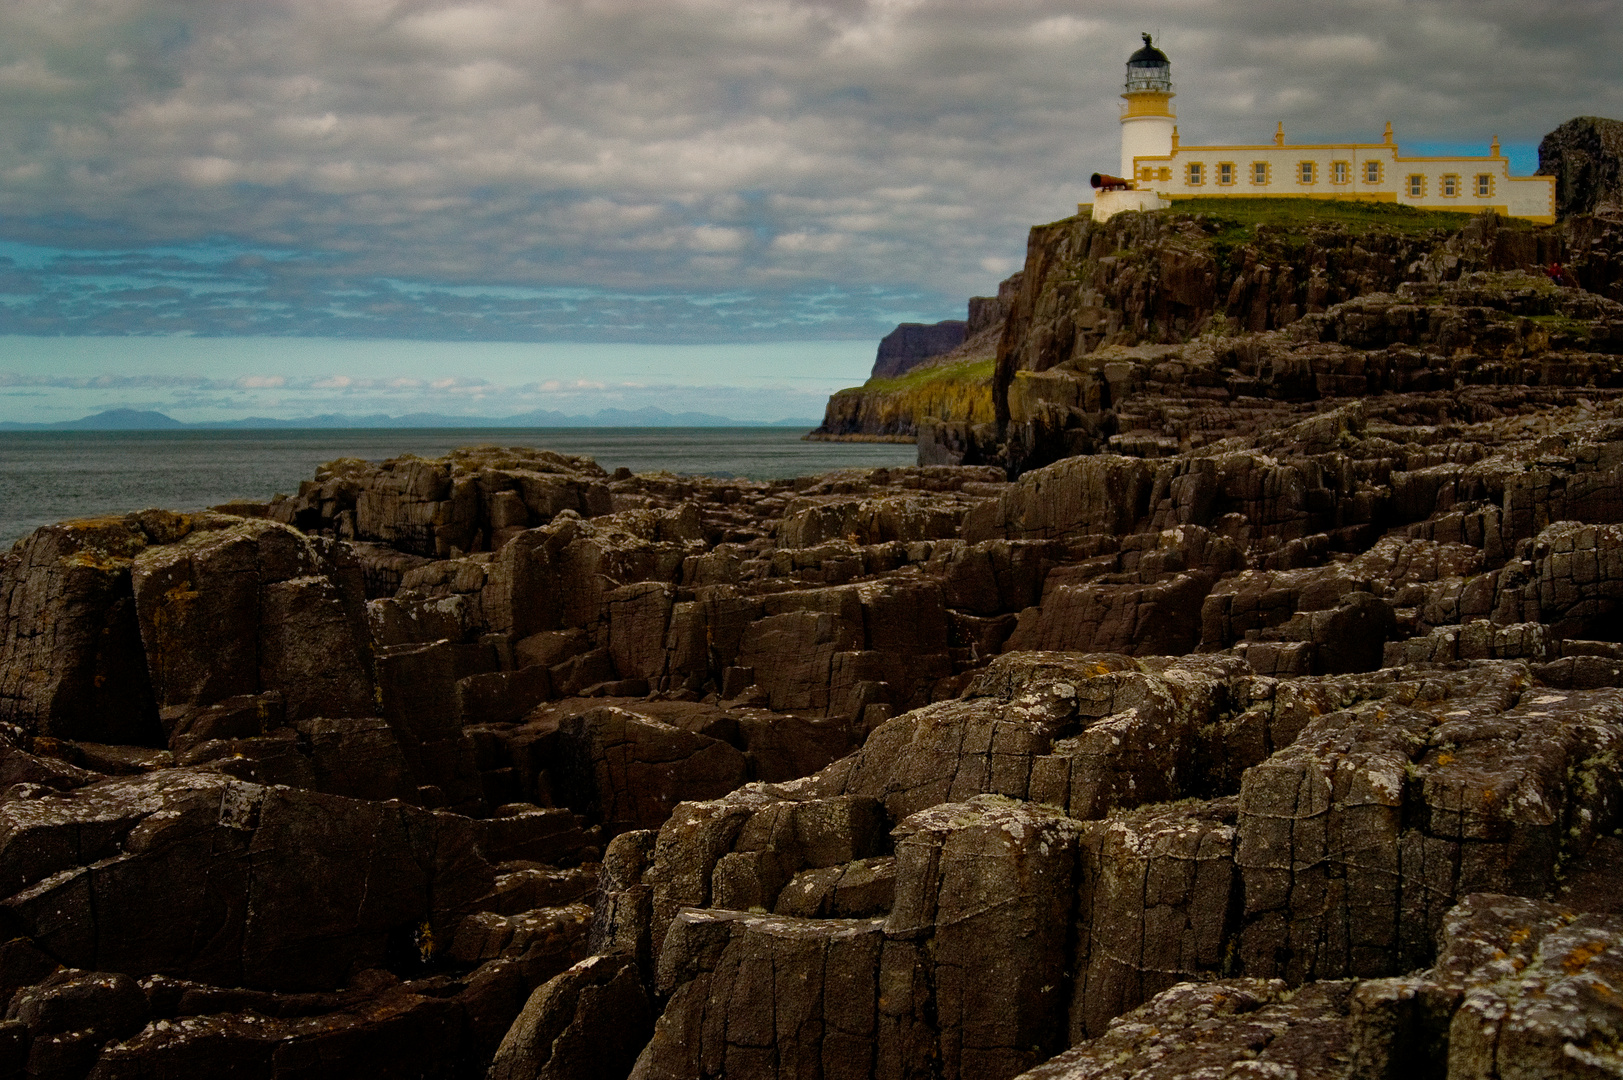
1206,287
911,344
953,382
892,410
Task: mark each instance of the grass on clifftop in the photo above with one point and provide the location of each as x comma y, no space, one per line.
964,371
1233,223
1246,214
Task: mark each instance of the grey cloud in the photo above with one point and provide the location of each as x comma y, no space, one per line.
103,382
826,162
220,294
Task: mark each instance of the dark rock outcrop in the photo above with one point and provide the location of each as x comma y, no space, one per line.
588,1023
195,875
69,661
1516,991
1585,155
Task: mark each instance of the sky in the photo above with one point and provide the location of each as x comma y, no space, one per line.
220,208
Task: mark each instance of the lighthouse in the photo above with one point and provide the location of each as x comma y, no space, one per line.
1147,120
1158,167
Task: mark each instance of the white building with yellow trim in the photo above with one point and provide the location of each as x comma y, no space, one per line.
1162,169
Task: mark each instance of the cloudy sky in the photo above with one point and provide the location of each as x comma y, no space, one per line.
496,205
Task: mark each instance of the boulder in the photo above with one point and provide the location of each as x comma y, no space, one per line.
588,1023
417,691
71,660
1395,812
546,938
1533,1003
198,875
253,607
1514,993
984,896
803,993
1159,903
1246,1026
627,771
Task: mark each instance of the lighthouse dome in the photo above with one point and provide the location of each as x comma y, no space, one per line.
1149,69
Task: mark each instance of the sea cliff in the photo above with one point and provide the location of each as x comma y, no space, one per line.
1205,273
914,378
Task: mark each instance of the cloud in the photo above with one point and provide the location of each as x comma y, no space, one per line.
820,157
214,291
107,382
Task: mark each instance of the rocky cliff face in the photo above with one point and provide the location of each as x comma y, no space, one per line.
1107,314
1301,719
1267,723
1585,155
954,381
896,410
1234,267
911,344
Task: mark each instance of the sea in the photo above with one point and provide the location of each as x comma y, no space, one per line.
49,476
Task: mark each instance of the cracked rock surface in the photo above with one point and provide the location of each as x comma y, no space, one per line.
1259,713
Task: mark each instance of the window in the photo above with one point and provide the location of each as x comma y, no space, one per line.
1450,186
1259,172
1146,173
1306,172
1417,185
1225,173
1484,185
1197,173
1372,172
1164,173
1340,172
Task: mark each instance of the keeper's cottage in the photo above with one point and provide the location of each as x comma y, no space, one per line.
1157,168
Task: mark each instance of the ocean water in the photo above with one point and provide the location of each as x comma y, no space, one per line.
47,476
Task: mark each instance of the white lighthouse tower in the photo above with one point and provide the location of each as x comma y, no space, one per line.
1147,120
1147,131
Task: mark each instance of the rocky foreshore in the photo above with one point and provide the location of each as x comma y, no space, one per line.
1255,708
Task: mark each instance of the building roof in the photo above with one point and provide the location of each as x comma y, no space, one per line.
1148,55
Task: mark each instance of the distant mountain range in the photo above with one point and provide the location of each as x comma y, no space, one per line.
146,420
